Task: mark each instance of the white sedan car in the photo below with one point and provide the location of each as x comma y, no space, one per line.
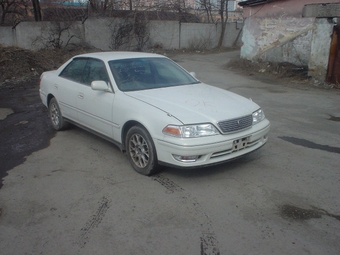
154,110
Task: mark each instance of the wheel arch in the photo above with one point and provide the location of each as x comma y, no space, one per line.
125,129
49,97
129,124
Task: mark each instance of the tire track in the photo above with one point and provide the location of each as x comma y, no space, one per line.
208,239
95,220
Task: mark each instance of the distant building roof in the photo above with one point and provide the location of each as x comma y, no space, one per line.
80,14
255,2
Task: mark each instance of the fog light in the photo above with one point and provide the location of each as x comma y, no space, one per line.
186,159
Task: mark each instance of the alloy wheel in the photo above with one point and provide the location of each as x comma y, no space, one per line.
139,150
55,114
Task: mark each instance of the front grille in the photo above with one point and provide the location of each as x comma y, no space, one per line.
234,125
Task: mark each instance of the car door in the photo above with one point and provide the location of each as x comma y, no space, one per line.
66,88
95,107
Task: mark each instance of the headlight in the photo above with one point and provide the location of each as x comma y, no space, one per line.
190,131
258,116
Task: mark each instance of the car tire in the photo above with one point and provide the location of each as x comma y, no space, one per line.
141,151
56,117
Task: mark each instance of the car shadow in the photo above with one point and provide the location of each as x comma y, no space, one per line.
202,172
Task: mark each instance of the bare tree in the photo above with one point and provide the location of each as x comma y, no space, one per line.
131,32
121,34
223,9
36,10
141,30
208,6
13,10
93,5
57,37
220,6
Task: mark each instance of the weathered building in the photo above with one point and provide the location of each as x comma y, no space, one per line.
298,32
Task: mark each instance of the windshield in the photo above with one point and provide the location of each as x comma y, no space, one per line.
148,73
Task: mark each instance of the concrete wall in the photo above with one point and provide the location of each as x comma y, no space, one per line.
320,49
277,39
198,36
7,36
98,33
165,34
277,32
35,35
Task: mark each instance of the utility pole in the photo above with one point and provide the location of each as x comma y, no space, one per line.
36,10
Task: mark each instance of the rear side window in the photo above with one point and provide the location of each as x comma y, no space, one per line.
74,70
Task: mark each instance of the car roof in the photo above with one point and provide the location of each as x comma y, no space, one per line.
115,55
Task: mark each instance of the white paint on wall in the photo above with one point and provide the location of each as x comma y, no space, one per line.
278,39
320,48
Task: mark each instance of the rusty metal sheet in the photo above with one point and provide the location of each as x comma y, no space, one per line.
333,71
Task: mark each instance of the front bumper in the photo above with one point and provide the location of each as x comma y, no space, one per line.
212,150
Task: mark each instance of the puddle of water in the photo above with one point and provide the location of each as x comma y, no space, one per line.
4,112
309,144
296,213
333,118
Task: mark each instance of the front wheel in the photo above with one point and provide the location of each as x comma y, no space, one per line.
56,117
141,151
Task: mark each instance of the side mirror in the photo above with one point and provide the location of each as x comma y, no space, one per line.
100,86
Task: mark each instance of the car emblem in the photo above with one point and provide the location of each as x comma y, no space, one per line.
238,123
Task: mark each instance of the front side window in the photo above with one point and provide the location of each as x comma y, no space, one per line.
95,70
148,73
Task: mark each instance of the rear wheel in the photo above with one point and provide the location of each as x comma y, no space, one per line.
56,117
141,151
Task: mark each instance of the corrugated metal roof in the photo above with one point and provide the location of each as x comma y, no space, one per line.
322,10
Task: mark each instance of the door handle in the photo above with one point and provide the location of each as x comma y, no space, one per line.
81,95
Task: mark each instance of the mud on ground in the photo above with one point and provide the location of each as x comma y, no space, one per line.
28,128
267,70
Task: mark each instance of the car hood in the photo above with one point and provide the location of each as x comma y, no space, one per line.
197,103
